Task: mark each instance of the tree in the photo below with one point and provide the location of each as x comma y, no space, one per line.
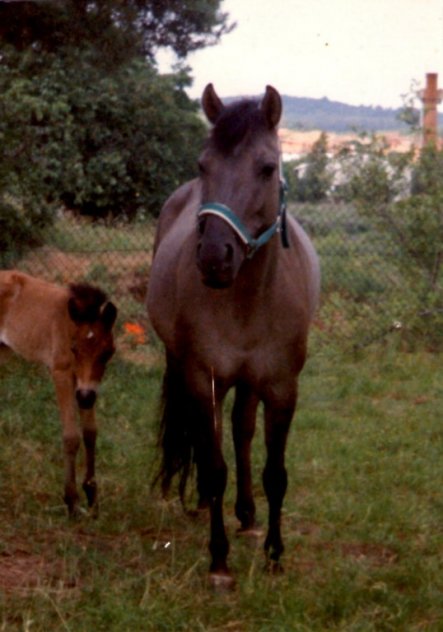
116,29
85,118
105,145
314,183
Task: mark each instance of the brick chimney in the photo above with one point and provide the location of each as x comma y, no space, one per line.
431,96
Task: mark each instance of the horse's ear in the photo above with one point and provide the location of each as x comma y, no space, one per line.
108,315
211,104
272,106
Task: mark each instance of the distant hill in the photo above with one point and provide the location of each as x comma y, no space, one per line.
302,113
333,116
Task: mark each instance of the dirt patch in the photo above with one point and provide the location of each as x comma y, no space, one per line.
22,572
370,553
374,554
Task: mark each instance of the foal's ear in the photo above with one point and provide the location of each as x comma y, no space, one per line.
271,106
211,104
108,315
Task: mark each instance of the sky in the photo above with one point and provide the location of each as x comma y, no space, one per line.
361,52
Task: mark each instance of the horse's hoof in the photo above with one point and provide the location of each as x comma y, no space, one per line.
221,582
251,532
76,512
90,489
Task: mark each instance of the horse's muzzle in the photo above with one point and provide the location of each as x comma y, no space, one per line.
218,261
85,398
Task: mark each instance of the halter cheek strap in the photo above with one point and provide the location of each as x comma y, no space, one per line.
252,244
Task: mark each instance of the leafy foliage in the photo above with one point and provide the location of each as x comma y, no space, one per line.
104,144
86,121
414,223
428,172
116,30
313,184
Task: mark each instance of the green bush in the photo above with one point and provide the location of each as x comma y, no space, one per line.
414,224
427,175
105,145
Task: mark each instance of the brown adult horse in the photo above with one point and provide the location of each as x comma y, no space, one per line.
233,288
70,331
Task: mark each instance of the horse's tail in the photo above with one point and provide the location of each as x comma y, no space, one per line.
175,436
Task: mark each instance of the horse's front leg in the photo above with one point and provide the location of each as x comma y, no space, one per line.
212,474
64,389
89,428
243,428
278,415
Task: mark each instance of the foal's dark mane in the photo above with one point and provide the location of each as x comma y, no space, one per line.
234,122
88,299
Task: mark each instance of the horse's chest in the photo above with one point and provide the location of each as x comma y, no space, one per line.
238,346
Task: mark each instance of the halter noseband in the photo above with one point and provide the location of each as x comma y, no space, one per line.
252,244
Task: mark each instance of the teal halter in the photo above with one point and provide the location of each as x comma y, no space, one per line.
252,244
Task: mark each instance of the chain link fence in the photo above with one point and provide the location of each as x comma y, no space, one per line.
364,295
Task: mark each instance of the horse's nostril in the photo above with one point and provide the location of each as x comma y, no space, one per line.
85,398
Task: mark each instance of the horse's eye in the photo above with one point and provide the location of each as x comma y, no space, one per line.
267,171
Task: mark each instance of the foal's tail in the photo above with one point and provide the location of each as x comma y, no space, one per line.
175,436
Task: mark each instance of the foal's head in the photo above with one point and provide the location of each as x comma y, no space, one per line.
239,172
93,342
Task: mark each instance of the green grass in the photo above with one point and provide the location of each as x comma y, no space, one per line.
362,520
81,234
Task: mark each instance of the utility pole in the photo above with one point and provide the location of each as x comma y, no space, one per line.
431,96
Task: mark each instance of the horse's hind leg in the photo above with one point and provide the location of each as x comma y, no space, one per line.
191,430
243,428
278,416
89,428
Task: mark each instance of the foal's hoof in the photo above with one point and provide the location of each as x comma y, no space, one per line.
72,507
90,489
274,567
221,582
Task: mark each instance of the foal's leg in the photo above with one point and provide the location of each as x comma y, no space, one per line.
243,428
278,416
64,389
87,417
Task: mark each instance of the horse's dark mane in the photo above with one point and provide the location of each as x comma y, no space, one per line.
88,300
234,122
